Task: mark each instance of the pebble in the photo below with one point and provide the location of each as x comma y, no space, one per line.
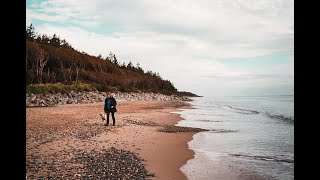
109,163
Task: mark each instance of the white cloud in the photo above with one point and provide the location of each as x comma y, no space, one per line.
34,15
179,39
228,28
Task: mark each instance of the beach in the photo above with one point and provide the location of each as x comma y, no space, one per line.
70,141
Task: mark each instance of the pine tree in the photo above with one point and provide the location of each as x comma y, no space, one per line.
115,61
30,33
45,39
55,41
129,66
123,65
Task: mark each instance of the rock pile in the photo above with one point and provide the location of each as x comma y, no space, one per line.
34,100
109,163
113,164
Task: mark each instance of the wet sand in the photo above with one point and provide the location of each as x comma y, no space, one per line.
58,136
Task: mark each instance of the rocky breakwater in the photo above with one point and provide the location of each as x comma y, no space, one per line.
34,100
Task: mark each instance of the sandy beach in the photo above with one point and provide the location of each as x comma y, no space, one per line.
69,141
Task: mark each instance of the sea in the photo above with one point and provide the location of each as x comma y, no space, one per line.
247,137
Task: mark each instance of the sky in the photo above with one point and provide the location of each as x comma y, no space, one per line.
208,47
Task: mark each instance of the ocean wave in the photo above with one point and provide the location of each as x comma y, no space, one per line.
240,110
247,111
221,131
208,121
281,117
264,158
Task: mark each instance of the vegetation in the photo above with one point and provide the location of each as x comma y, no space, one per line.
53,65
59,88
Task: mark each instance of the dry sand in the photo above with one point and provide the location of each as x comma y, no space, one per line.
56,135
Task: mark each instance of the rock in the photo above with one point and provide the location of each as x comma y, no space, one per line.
185,98
33,97
92,97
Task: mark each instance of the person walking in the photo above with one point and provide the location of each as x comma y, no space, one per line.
110,104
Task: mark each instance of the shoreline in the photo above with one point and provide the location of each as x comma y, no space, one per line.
145,128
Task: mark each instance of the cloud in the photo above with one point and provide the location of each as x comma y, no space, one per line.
182,40
227,28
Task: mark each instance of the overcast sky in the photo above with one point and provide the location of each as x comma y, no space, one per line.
208,47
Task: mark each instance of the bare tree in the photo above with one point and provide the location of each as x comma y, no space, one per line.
69,70
38,59
42,60
48,74
95,68
77,67
53,77
62,69
100,68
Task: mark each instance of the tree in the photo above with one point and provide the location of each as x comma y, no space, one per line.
30,33
110,57
78,67
38,39
62,70
123,65
115,61
49,59
45,39
55,41
129,66
139,69
38,58
65,44
70,73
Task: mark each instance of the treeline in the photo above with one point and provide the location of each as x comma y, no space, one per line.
52,60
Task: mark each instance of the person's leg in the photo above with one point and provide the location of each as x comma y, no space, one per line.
108,113
113,118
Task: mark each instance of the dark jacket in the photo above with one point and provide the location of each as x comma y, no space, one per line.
113,103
